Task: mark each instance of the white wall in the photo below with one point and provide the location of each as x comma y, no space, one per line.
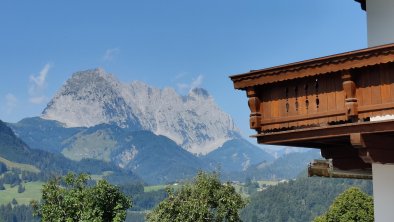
380,19
383,192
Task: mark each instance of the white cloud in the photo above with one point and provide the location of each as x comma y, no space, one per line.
187,87
110,54
10,102
197,82
179,76
183,87
38,99
37,85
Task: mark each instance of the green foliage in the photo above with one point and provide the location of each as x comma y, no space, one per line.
18,166
14,202
75,201
148,200
21,188
16,213
136,216
32,192
143,200
297,200
3,167
353,205
206,199
11,177
251,186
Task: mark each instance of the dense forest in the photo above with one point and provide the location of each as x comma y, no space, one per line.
16,213
301,199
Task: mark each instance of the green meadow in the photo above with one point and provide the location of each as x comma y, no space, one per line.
32,192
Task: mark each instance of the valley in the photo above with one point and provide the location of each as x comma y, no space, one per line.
144,140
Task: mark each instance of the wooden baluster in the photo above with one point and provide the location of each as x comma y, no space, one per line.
287,100
306,97
296,98
317,93
254,106
351,105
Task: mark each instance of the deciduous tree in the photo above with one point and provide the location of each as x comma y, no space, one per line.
353,205
205,199
75,201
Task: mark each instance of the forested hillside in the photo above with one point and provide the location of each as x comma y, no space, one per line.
298,200
301,199
287,166
15,150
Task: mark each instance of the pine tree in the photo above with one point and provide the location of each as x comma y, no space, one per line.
21,188
14,202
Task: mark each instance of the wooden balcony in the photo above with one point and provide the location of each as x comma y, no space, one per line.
342,104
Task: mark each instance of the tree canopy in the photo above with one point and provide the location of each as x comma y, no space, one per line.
353,205
298,200
71,199
204,199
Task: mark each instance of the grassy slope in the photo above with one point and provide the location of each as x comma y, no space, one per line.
97,145
32,192
20,166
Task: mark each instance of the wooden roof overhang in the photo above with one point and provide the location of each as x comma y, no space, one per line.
363,4
331,103
324,65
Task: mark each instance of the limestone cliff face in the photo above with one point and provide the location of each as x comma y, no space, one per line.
95,97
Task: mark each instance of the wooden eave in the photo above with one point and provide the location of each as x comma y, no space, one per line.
324,65
363,4
303,138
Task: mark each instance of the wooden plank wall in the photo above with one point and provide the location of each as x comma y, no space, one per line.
375,91
302,102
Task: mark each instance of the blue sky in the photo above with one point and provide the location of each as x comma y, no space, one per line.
172,43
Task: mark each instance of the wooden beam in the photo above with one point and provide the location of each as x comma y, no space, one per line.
327,132
374,148
319,66
325,168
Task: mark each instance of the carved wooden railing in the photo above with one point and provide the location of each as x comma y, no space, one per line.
296,104
346,88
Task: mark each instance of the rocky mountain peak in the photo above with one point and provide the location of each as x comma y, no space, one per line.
199,92
91,76
94,97
90,98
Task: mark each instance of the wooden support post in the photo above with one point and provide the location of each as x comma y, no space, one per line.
373,148
254,106
351,105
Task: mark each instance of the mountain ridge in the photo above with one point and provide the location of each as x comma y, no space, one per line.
157,133
156,159
12,148
93,97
